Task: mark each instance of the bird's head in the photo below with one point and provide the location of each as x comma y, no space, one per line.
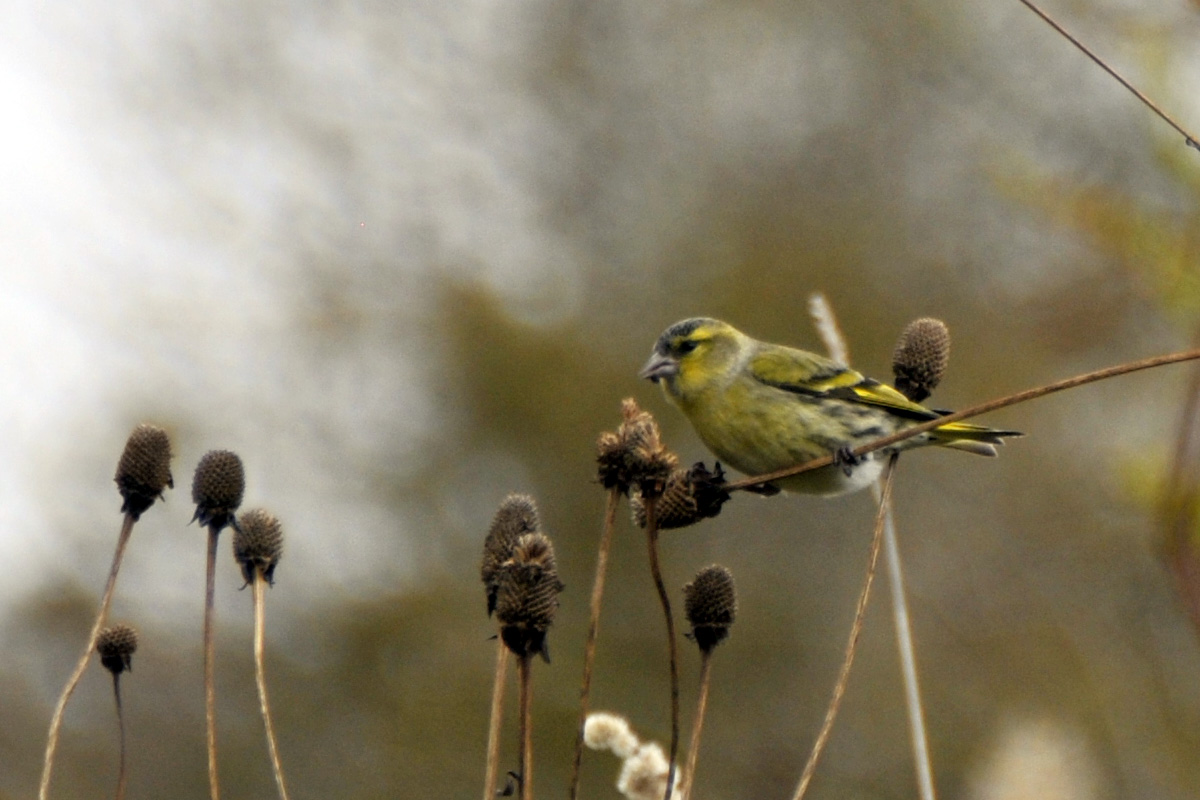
694,355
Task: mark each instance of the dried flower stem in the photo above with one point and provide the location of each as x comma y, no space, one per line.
1179,502
839,688
974,411
73,681
689,774
908,660
1189,140
526,729
827,327
589,650
210,691
672,657
122,775
493,748
260,586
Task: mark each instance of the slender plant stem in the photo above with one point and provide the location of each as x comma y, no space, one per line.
524,702
839,689
689,774
827,327
73,681
493,748
260,673
672,657
589,649
908,661
210,689
122,775
1178,507
1188,138
973,411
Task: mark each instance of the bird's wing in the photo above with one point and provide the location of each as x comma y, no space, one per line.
799,371
880,394
812,375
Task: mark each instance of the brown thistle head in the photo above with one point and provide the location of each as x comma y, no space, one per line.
516,517
144,470
527,595
116,646
635,456
258,544
217,488
710,604
920,358
688,496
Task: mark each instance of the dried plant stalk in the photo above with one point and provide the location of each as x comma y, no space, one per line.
260,585
492,773
210,691
589,650
73,681
672,656
839,688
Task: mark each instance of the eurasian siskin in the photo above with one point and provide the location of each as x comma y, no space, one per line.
763,407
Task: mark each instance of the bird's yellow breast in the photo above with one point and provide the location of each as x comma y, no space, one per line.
757,429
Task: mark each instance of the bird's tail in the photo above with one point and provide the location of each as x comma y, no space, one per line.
970,438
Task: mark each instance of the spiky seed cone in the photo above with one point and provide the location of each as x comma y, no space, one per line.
920,358
527,595
116,646
635,454
144,470
516,517
217,488
710,604
676,508
258,544
610,458
648,460
690,495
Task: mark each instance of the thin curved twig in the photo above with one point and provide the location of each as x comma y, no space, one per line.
1188,139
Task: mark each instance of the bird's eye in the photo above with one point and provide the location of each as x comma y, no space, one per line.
686,346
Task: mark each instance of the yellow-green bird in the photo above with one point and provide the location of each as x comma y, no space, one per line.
763,407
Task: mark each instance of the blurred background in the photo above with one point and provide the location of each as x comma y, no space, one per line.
407,257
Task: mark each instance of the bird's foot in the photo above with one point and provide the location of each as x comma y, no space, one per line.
844,457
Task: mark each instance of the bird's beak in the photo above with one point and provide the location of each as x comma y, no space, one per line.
659,367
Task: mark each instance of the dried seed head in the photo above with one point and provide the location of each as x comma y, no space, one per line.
649,461
635,454
920,358
116,646
710,604
689,496
610,456
516,517
217,488
144,470
527,595
258,544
